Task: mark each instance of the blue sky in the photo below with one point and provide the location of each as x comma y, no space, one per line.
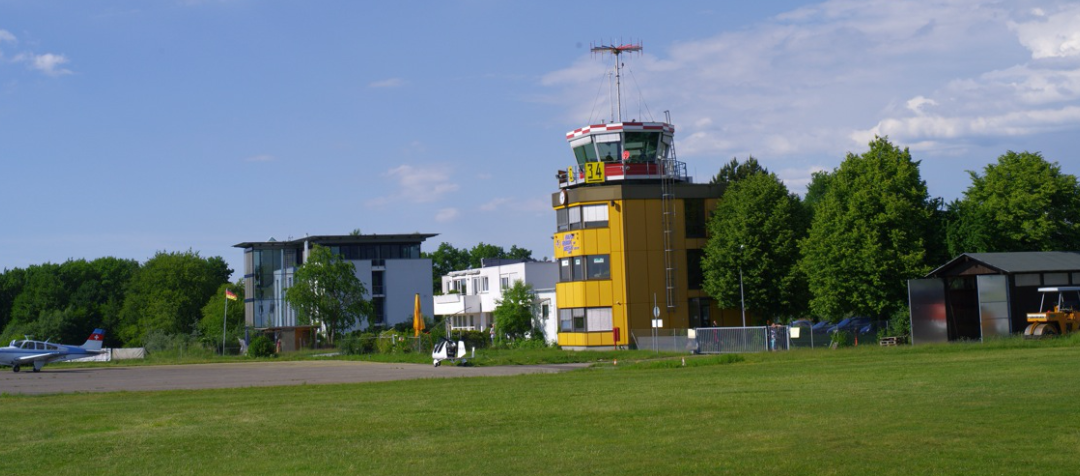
137,126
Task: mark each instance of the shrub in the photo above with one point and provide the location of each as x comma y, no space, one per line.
356,344
261,346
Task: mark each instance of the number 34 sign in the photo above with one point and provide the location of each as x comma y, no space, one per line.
594,172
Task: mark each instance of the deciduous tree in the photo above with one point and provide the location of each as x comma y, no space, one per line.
167,294
515,311
1021,203
868,234
325,289
757,227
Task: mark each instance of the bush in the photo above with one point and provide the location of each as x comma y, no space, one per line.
394,342
357,344
474,339
261,346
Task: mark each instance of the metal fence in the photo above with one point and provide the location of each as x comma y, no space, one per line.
663,340
724,340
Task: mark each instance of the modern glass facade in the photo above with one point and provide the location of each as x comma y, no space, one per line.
390,267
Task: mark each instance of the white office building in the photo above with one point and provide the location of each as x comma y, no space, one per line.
470,296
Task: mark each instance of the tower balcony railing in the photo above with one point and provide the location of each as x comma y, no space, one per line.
620,171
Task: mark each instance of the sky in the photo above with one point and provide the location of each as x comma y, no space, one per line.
133,127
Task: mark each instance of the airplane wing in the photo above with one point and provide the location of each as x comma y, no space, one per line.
46,356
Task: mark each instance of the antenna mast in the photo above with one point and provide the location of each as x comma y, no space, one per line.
616,51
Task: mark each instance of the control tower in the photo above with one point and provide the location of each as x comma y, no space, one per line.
630,234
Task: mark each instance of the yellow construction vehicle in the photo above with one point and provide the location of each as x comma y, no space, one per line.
1055,316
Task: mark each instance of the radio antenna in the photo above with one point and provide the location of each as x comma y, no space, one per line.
616,51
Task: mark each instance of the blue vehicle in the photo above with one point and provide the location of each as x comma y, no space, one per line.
823,326
852,325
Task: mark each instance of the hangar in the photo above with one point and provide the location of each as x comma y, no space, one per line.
979,295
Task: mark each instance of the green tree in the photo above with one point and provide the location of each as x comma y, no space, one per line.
815,190
515,312
214,311
444,260
519,253
1021,203
167,294
483,250
868,234
326,289
734,171
757,227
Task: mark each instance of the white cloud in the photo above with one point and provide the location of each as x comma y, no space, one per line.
386,83
446,215
47,63
1054,35
424,184
495,204
820,81
261,158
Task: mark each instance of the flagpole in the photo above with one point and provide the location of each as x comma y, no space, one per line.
224,323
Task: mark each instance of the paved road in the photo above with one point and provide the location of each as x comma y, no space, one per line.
56,379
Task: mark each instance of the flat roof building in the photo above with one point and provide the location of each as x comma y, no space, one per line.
390,267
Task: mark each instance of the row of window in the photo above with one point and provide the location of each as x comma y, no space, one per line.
582,268
479,284
1046,279
639,147
583,216
596,216
585,319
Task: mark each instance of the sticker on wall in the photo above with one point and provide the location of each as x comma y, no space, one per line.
567,242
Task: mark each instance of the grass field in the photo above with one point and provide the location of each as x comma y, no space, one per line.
1001,408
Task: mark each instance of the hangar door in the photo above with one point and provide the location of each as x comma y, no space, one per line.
994,305
926,300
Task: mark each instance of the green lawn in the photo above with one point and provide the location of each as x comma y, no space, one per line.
1001,408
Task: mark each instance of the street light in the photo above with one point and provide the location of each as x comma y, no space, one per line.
742,298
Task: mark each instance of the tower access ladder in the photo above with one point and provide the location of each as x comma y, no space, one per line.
668,171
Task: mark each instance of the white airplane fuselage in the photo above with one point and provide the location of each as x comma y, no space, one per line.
38,353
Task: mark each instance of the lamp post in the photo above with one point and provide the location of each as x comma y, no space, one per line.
742,298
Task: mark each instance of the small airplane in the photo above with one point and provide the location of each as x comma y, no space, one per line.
37,353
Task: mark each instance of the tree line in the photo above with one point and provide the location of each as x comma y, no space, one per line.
171,293
863,229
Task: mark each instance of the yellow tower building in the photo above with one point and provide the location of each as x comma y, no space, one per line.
631,229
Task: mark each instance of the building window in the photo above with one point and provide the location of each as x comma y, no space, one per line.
578,268
565,273
699,312
581,319
609,147
484,284
598,267
504,282
1054,279
1028,279
694,274
694,214
379,305
377,287
574,217
562,219
598,319
594,216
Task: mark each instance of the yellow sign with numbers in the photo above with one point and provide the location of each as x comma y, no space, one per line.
594,172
